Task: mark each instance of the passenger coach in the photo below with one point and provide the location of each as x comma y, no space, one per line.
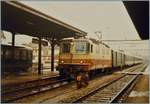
21,61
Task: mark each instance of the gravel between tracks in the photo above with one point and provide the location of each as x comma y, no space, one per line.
66,93
68,97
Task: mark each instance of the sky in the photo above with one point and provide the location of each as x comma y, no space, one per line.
108,17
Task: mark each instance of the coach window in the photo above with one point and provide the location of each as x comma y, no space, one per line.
17,54
88,47
91,48
2,52
8,54
20,55
29,55
24,55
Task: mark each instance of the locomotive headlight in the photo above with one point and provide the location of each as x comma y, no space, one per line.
62,61
81,61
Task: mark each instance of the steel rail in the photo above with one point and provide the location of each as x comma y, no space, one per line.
97,89
29,90
32,91
123,90
30,87
105,85
33,80
19,86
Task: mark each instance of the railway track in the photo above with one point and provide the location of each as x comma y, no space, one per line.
18,86
32,89
112,91
105,93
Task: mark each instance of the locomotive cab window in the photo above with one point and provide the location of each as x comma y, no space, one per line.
65,48
81,47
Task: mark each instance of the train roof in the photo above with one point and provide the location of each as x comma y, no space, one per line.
90,40
17,46
120,51
98,42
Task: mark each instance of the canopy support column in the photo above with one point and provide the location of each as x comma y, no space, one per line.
13,39
13,45
52,53
39,57
13,51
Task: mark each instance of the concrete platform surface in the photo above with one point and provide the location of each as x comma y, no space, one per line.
140,93
24,77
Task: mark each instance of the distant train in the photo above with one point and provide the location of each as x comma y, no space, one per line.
90,56
19,62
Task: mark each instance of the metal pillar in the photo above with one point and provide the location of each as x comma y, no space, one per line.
13,39
13,45
13,52
39,57
52,54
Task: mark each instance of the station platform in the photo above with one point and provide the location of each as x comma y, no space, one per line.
25,77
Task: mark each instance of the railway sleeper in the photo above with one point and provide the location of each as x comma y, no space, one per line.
97,100
105,98
108,95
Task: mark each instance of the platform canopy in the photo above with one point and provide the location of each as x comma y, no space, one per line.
19,18
139,13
